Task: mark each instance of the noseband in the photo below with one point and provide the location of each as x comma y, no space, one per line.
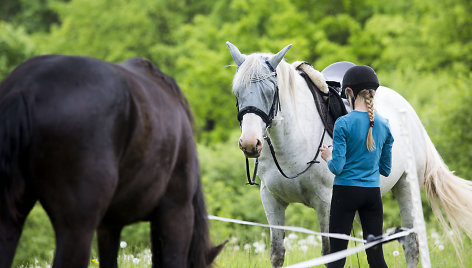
267,118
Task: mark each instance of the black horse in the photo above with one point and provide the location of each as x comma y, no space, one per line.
101,146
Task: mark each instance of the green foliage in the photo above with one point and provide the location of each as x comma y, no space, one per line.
15,47
226,192
454,123
34,15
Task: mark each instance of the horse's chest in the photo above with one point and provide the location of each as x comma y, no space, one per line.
289,190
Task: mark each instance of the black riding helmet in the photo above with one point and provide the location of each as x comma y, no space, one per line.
360,77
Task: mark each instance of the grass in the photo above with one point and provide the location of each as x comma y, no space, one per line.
299,248
248,247
302,248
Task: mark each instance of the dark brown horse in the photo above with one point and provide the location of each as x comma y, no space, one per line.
100,146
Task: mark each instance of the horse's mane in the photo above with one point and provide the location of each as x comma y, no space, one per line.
286,79
173,87
253,67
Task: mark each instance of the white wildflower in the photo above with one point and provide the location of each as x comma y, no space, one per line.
247,247
441,247
259,246
396,253
292,236
136,260
304,248
288,243
234,239
302,242
312,240
434,235
123,244
128,258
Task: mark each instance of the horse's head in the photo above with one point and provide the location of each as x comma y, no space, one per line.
255,87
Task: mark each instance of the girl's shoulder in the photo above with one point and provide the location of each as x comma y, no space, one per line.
381,120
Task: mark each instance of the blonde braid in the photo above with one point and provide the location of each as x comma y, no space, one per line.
368,95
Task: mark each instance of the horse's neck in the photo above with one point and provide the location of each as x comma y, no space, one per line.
298,127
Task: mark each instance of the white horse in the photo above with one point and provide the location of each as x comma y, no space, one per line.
296,131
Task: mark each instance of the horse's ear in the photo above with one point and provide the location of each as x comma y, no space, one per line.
238,57
275,60
214,251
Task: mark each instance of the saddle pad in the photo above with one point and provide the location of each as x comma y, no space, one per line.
330,105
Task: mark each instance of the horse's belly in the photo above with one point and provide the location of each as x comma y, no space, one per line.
132,206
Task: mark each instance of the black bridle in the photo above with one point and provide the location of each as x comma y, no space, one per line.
267,118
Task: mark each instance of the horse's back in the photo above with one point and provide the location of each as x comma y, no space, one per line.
103,131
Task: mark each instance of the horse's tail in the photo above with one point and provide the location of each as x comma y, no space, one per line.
14,137
201,253
448,194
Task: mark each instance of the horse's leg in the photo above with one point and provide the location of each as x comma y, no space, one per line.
108,245
10,229
275,213
75,200
322,212
72,245
402,193
171,233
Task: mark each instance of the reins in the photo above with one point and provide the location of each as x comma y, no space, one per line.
267,118
252,181
309,164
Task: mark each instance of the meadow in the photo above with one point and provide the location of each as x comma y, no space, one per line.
244,251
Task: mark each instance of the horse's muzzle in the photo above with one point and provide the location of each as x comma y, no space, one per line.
251,150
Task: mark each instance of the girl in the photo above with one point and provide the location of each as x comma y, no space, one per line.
362,150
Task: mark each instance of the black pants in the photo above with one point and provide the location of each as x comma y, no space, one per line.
345,202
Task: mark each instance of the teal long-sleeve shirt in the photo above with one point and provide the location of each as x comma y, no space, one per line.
351,162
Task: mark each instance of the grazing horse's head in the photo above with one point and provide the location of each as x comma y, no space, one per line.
255,87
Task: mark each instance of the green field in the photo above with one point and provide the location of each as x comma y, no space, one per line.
241,250
299,248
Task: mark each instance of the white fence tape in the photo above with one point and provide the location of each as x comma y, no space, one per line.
350,251
289,228
326,258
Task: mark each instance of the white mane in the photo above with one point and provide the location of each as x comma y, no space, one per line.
253,67
286,79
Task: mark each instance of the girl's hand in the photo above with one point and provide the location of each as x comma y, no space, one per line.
326,152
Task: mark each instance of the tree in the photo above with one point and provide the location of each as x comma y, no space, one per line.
453,124
15,47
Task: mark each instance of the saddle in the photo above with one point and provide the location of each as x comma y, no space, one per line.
327,97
